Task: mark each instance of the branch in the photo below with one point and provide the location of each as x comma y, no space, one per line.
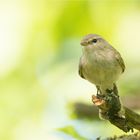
83,110
134,136
111,109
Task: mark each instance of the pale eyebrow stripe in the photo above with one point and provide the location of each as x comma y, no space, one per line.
94,38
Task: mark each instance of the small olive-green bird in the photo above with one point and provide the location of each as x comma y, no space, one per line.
100,63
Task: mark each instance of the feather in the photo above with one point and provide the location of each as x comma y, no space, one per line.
80,69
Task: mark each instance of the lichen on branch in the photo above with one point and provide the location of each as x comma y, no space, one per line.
110,108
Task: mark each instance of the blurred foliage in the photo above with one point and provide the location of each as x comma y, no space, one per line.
39,54
72,132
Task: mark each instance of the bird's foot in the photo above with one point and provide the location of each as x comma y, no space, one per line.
111,92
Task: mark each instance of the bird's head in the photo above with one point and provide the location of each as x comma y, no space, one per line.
92,41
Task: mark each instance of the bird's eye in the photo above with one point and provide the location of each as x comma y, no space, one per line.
94,41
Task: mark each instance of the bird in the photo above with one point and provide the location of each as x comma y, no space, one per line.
100,64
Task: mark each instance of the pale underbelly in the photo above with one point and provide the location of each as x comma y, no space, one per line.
102,75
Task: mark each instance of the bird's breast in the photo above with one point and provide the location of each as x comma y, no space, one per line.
100,68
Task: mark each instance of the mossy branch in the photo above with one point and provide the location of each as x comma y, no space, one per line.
111,109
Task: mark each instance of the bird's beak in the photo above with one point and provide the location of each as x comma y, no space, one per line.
83,43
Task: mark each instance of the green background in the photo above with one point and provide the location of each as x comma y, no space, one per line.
39,56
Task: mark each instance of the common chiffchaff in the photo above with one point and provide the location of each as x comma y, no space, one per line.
100,63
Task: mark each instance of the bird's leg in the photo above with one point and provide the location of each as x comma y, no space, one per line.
98,90
115,89
100,94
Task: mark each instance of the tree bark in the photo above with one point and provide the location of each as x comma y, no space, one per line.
87,111
111,109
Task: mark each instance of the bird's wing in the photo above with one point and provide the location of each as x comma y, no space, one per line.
120,61
80,69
